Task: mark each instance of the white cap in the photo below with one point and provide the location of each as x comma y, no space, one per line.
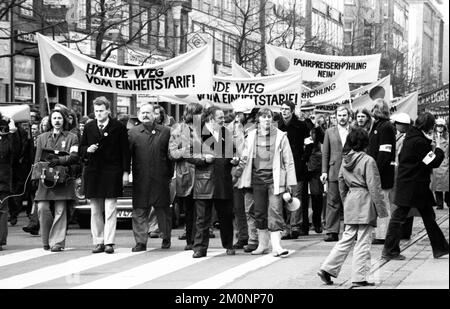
243,105
401,118
440,122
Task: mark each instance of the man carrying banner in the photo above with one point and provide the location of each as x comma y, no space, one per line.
382,142
104,146
333,147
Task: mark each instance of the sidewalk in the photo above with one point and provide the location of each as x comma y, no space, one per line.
420,270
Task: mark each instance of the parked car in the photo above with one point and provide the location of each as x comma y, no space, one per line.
124,208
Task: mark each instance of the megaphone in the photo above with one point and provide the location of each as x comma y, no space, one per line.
293,203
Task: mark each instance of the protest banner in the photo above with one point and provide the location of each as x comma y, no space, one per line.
334,90
265,91
365,97
186,74
408,105
239,71
435,102
320,68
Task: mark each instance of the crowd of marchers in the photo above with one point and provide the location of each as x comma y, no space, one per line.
372,170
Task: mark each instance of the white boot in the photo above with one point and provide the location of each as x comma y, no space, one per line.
275,238
263,243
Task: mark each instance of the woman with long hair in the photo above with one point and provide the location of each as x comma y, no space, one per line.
58,139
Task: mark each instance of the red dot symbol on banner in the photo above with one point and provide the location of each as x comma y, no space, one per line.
377,92
61,66
282,64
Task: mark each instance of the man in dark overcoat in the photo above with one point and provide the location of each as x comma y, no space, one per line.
104,149
297,132
382,142
152,173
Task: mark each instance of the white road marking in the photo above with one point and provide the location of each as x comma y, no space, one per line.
23,256
234,273
68,268
147,272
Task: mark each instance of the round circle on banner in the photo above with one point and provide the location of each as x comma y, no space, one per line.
282,64
377,92
61,66
182,96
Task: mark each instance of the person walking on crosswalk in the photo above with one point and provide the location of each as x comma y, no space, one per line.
213,187
104,148
152,173
58,140
180,149
360,190
9,152
266,171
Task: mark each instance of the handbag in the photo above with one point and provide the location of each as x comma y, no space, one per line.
46,174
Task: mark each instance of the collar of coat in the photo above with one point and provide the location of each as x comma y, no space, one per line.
156,127
294,122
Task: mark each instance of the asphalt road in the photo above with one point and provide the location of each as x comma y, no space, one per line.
25,265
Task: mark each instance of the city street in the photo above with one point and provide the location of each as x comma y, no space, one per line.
24,264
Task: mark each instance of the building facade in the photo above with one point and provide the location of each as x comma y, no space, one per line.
380,26
426,43
125,32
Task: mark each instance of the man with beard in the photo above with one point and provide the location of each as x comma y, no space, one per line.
152,172
333,147
297,132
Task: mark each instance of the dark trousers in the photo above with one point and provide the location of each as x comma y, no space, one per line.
334,208
316,204
261,207
224,209
392,245
3,219
441,197
407,227
316,188
141,218
189,209
239,213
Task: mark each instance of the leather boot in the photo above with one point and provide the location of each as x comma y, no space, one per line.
263,243
275,238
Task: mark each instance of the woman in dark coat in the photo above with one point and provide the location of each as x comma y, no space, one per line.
416,162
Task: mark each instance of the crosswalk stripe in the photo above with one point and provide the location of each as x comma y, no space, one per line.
22,256
147,272
234,273
64,269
